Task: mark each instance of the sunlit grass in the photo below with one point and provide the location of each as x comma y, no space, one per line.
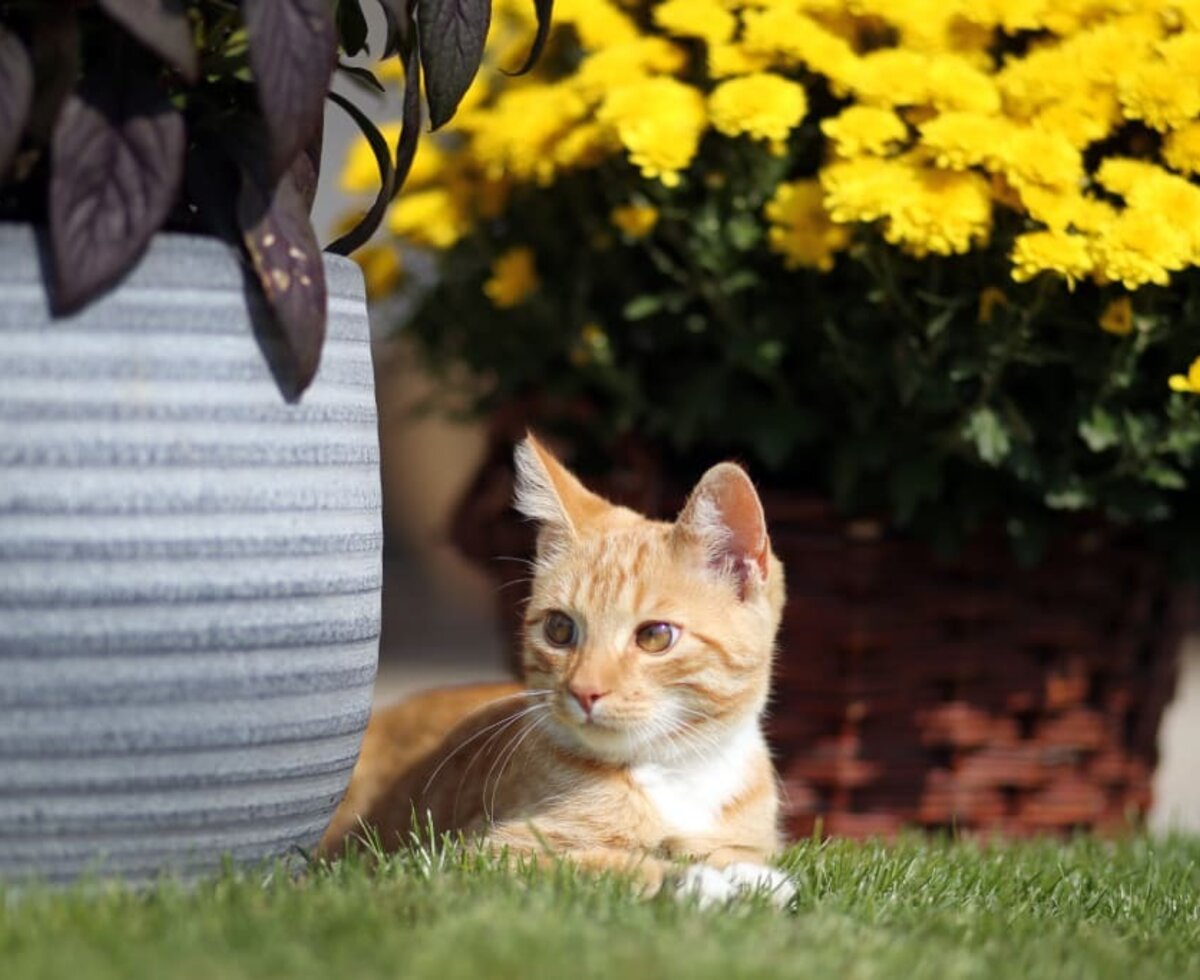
916,908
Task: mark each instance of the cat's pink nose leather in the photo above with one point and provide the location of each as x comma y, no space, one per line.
587,698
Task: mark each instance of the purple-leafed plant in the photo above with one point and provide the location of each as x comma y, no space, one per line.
119,118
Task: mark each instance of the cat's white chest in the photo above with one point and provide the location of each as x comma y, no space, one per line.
689,796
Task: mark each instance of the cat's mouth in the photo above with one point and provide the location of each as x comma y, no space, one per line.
601,736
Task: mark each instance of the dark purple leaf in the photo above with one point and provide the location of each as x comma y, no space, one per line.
56,61
543,9
287,261
352,27
360,233
162,26
410,117
452,33
293,50
306,169
116,166
363,78
16,95
397,14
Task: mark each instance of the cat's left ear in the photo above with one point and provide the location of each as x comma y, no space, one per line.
724,517
552,495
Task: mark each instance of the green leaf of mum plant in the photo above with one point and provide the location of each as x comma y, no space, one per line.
1099,430
988,434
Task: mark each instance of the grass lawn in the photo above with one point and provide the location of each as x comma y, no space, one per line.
913,909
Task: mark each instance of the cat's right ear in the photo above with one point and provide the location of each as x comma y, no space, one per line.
725,519
549,493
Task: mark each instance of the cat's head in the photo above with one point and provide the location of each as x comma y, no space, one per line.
652,638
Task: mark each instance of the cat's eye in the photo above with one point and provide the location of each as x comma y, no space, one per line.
560,629
657,637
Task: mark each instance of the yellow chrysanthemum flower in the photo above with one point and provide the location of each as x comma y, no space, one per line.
1121,175
1059,252
729,60
1156,194
598,23
1117,317
792,38
946,212
514,278
1103,52
1032,156
432,217
902,77
1083,120
925,210
1160,95
1181,51
635,220
1011,15
516,137
958,140
1181,149
800,227
1189,382
585,146
381,268
1139,248
954,83
762,106
621,63
708,20
1066,209
891,77
659,121
863,188
865,129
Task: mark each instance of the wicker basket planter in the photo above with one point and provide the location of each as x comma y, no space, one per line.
910,691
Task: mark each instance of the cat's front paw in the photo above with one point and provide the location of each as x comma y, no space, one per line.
715,886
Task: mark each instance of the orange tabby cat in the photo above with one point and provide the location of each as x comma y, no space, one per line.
636,742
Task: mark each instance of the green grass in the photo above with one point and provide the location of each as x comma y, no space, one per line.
914,909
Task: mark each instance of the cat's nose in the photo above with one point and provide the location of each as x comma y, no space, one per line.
587,697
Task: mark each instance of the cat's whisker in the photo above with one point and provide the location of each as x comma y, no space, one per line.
527,562
484,749
479,734
490,808
516,581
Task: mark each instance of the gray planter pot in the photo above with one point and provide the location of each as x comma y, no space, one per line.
189,571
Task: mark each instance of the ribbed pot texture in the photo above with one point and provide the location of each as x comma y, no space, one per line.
189,571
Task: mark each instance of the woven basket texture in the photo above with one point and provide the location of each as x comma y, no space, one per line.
969,695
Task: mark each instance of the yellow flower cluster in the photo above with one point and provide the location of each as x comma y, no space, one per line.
801,230
762,105
635,220
1189,382
923,209
514,278
1089,131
